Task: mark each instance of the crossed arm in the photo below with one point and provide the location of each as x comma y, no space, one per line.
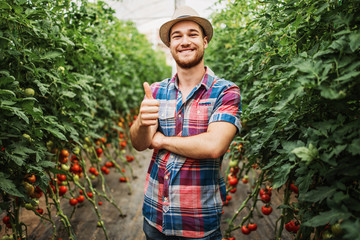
211,144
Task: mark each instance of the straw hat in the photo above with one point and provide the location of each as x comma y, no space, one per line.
184,13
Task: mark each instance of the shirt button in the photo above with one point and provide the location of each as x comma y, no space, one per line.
165,199
179,116
198,111
166,177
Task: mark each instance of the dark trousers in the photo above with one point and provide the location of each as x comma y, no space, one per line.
152,233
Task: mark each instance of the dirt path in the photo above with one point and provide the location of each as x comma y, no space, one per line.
84,220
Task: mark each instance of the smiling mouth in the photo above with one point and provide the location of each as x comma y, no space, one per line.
186,51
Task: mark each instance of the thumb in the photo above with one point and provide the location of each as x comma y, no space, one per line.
147,89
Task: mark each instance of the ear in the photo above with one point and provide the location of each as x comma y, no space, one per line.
205,42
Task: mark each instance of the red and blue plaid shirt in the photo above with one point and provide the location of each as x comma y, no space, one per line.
184,196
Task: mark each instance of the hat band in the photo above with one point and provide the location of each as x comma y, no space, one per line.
183,16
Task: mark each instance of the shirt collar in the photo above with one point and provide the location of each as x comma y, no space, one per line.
206,81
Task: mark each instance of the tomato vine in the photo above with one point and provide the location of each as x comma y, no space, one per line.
297,64
70,78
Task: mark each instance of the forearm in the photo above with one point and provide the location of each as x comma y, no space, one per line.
141,136
211,144
197,147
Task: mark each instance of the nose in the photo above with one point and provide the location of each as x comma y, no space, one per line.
185,41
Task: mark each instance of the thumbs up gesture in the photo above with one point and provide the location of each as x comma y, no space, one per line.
149,109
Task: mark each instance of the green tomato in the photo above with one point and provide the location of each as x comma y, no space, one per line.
100,223
76,178
327,235
233,163
65,167
76,151
27,136
29,92
336,229
29,206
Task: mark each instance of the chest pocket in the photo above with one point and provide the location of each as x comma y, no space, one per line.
203,111
167,119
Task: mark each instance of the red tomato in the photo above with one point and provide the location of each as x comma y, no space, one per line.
266,210
61,177
100,203
40,211
90,194
64,153
92,170
245,180
80,198
6,220
233,181
294,188
233,190
62,190
265,198
228,197
75,168
245,230
31,179
73,201
252,226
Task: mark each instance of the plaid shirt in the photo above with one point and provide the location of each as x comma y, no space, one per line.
183,196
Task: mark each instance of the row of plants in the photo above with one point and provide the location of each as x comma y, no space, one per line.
297,64
70,78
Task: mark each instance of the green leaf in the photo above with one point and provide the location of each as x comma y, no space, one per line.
56,133
51,54
318,194
329,217
10,187
282,175
68,94
306,154
7,92
354,147
354,41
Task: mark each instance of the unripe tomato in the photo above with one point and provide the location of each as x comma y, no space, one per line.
65,167
336,229
266,210
245,230
29,92
233,163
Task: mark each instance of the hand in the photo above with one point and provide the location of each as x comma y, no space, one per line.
149,109
157,141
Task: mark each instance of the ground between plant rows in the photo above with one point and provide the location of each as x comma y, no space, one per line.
84,220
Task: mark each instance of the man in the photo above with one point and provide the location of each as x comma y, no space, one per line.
189,121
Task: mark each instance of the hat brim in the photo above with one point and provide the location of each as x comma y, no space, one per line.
204,23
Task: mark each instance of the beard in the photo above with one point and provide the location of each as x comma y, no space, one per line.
189,63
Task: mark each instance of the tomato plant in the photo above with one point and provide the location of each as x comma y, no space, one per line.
297,64
70,73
